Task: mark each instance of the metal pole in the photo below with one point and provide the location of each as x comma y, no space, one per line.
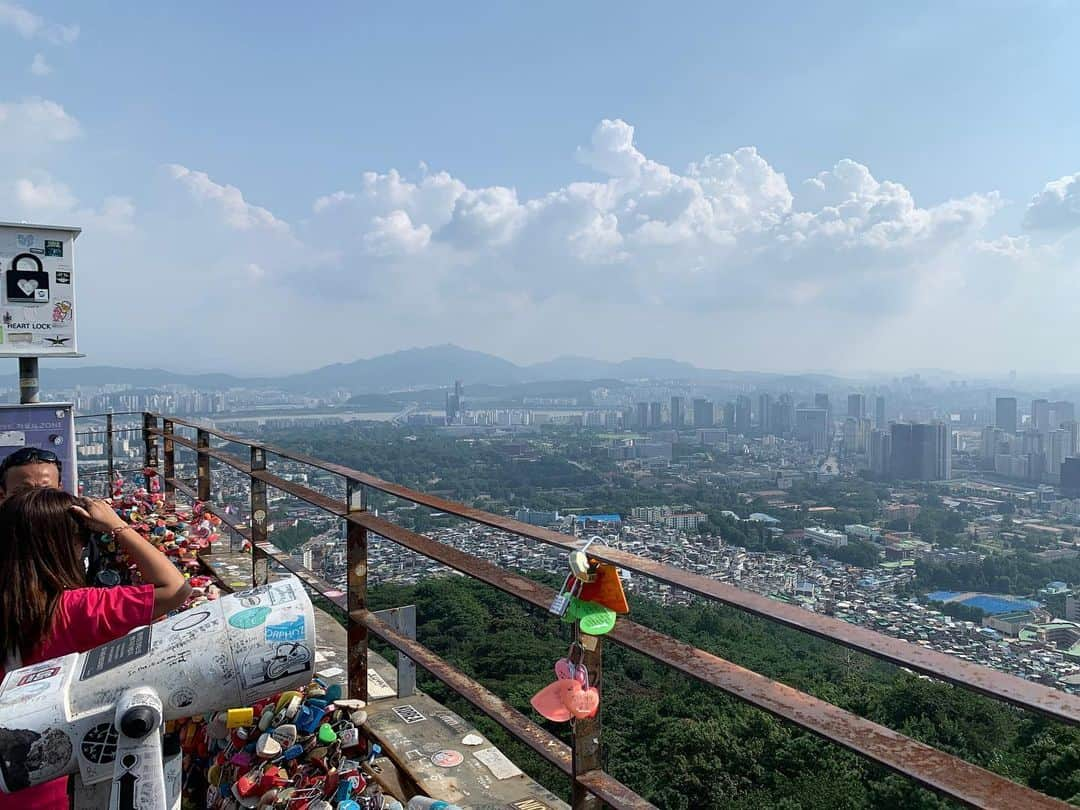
356,550
150,441
260,565
202,470
170,465
109,462
28,380
585,733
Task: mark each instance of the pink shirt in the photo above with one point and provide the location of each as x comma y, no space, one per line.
85,618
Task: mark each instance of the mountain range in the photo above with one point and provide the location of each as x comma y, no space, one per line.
422,368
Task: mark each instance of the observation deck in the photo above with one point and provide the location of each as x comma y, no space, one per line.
173,445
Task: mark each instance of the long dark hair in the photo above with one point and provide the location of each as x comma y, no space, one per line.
40,558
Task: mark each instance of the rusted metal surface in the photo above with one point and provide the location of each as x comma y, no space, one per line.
110,465
585,733
178,484
930,767
613,792
150,453
356,555
923,764
324,502
202,465
934,769
524,729
260,515
322,587
170,464
1000,685
231,522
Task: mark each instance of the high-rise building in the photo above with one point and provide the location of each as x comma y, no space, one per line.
880,452
1061,412
656,414
765,414
642,420
1005,414
879,412
921,452
455,403
991,443
811,426
677,415
742,414
1056,443
784,415
1040,414
729,415
1070,478
856,436
856,406
704,415
1072,427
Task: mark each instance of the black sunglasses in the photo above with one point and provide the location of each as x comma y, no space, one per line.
29,455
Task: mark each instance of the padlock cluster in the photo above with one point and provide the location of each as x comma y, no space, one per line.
592,596
300,749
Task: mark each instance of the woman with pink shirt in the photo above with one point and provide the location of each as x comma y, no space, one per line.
47,611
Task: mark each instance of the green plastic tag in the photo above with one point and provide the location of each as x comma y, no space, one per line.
595,619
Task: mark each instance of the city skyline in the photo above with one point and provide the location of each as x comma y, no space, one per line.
661,189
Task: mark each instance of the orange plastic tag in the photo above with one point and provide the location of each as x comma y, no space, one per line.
606,589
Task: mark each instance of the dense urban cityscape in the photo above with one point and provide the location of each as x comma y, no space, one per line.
755,490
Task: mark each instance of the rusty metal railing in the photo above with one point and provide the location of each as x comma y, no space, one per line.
591,787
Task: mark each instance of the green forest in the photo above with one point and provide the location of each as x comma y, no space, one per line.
686,747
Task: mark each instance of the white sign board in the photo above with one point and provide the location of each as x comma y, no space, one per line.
37,290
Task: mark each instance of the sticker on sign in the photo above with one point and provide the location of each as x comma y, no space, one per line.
497,763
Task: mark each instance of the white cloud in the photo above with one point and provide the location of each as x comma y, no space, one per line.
728,232
46,199
31,123
46,195
395,234
1057,206
30,25
40,67
236,211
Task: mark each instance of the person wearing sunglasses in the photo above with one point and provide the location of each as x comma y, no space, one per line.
29,467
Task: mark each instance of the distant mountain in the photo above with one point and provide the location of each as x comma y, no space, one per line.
433,368
436,366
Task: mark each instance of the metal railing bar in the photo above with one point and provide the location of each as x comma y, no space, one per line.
183,487
922,763
606,787
228,520
108,413
324,502
322,587
999,685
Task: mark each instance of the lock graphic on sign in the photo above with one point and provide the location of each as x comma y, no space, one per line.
25,284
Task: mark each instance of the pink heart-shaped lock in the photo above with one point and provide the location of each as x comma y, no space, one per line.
549,701
581,702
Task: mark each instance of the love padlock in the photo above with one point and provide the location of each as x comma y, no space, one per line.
561,601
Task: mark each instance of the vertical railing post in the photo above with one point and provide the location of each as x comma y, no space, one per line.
202,470
260,565
585,733
110,464
170,464
150,455
357,552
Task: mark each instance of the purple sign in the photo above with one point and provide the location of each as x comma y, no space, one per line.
46,426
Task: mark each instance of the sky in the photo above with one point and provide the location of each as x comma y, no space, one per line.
835,186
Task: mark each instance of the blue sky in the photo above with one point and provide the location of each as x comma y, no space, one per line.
194,142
